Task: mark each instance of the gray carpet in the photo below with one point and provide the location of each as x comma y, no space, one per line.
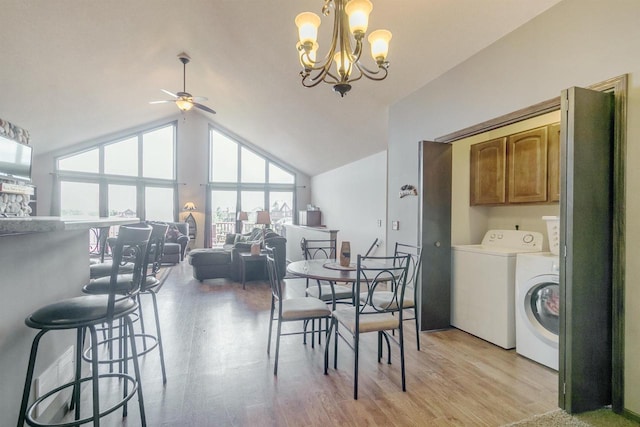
599,418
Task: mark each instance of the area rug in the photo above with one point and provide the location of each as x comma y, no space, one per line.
553,418
599,418
163,273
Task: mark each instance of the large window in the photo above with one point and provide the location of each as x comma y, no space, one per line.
242,179
133,176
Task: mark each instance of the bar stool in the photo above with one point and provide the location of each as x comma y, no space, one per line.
85,312
150,286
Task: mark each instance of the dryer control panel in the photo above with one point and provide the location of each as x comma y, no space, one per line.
514,239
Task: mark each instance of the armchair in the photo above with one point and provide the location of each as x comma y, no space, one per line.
243,242
177,240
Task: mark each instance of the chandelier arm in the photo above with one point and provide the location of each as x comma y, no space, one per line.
379,74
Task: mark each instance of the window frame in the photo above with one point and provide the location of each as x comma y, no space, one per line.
104,179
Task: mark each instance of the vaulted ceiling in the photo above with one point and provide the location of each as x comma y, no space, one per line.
75,70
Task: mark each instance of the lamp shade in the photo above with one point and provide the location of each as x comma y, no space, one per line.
358,12
379,41
189,206
263,217
307,24
242,216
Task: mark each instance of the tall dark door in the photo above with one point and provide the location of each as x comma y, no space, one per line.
586,250
435,308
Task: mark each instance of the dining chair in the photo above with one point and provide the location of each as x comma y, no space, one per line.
410,303
349,323
325,291
289,309
85,313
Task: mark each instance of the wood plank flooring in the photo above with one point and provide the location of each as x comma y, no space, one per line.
219,374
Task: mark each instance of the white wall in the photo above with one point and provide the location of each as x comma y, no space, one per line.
575,43
352,199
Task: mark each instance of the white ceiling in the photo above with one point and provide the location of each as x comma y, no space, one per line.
75,70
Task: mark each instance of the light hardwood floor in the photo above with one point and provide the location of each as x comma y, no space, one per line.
219,373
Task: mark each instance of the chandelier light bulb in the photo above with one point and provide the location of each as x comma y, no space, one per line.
343,65
379,41
307,23
358,12
307,56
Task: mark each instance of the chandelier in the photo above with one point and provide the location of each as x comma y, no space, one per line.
351,18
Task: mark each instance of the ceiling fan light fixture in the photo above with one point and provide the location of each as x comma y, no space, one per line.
184,103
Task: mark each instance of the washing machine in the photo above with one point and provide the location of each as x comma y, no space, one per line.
538,307
483,284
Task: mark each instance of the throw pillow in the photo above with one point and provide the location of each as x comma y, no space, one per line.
172,234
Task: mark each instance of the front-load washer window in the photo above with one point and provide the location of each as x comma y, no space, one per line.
542,305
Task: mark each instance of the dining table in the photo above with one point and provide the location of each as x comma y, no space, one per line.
323,269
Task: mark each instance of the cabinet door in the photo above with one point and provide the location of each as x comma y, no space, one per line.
527,157
488,171
553,163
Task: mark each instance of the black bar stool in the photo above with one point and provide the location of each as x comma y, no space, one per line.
150,286
85,312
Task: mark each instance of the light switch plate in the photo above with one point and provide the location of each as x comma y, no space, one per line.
395,225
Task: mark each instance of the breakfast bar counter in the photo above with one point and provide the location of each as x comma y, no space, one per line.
42,260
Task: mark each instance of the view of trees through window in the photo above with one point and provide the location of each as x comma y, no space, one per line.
113,173
244,180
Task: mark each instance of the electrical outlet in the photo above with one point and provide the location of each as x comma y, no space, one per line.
379,223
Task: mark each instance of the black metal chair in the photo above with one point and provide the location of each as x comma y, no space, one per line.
150,286
410,304
289,309
327,292
85,313
367,316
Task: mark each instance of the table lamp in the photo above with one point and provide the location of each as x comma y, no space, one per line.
264,218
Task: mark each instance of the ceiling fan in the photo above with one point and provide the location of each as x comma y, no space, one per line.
184,100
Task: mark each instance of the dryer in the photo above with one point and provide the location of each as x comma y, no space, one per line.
538,307
483,284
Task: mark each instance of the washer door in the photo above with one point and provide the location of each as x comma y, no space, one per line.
542,307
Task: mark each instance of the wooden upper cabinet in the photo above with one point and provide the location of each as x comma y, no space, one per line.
553,162
488,171
527,166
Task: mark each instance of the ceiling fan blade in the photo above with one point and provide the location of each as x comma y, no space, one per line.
204,107
161,102
199,98
169,93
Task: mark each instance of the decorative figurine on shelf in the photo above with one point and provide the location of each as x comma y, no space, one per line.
345,254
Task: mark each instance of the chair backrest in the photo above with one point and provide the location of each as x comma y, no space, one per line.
319,249
415,261
155,248
272,271
130,246
382,273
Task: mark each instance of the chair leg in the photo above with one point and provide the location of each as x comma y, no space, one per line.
386,338
335,344
275,365
95,375
29,379
379,346
401,336
141,317
270,325
159,336
136,368
415,317
356,350
326,348
124,354
75,395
